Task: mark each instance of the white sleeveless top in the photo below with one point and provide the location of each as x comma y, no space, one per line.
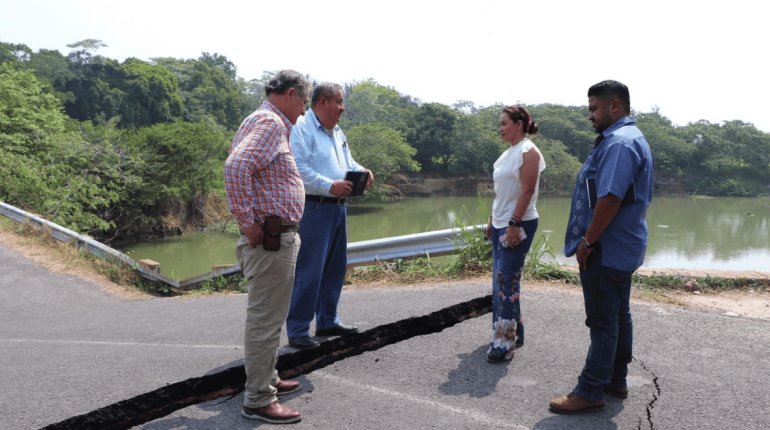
508,184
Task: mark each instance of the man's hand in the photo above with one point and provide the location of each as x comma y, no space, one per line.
370,181
341,188
582,256
253,234
606,209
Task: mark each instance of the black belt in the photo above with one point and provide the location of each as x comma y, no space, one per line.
325,199
287,226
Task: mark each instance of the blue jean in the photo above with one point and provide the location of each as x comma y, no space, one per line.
507,268
321,266
606,293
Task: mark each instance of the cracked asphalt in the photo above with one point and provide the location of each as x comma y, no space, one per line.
67,347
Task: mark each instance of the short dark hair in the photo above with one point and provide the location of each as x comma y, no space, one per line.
285,80
324,89
520,113
609,89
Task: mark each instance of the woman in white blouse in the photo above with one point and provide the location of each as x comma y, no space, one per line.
512,227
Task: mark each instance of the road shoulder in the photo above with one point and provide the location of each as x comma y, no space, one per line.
746,303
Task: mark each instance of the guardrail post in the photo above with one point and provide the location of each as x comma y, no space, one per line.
150,265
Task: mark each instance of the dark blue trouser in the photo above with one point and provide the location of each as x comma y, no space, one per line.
321,267
507,268
606,293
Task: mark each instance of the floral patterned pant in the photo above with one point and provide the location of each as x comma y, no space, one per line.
507,268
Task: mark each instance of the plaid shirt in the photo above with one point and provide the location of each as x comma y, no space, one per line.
261,177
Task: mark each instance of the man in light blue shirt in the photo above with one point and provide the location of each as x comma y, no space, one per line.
323,158
607,232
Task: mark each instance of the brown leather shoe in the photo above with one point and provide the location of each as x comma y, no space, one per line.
574,404
275,413
287,387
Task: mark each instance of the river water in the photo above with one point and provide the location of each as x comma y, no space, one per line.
685,233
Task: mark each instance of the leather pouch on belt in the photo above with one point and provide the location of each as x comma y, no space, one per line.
271,234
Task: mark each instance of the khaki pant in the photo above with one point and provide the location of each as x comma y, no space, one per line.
270,277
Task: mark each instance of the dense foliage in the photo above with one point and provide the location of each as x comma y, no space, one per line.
95,176
119,149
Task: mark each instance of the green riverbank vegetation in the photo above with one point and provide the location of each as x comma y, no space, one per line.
134,149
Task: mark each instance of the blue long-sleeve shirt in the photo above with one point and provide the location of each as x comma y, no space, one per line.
322,156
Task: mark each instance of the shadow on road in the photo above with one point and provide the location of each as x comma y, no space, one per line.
597,421
474,376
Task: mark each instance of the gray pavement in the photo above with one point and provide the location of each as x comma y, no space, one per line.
67,347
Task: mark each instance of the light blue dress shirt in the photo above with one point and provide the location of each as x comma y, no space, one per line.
621,159
322,156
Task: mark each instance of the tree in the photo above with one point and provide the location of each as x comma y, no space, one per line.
53,69
150,94
95,99
253,92
382,150
45,166
82,52
567,124
371,103
465,106
561,167
476,144
431,134
728,160
140,93
220,62
672,152
177,163
14,53
209,87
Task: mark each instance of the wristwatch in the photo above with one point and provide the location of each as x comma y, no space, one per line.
513,223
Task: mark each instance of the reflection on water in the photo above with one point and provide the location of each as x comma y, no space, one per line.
185,256
721,233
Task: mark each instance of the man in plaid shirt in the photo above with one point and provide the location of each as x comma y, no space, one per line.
262,180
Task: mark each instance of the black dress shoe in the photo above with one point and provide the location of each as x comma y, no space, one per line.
338,330
619,392
303,342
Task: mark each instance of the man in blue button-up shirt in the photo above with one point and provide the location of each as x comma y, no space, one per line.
323,158
607,232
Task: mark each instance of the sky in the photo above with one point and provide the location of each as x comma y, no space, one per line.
689,60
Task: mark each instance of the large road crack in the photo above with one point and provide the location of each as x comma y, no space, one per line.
655,395
163,401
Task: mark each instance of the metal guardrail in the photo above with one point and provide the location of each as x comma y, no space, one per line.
432,243
92,246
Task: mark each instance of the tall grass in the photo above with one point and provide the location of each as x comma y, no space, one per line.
473,257
474,252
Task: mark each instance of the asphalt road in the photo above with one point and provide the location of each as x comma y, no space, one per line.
68,347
